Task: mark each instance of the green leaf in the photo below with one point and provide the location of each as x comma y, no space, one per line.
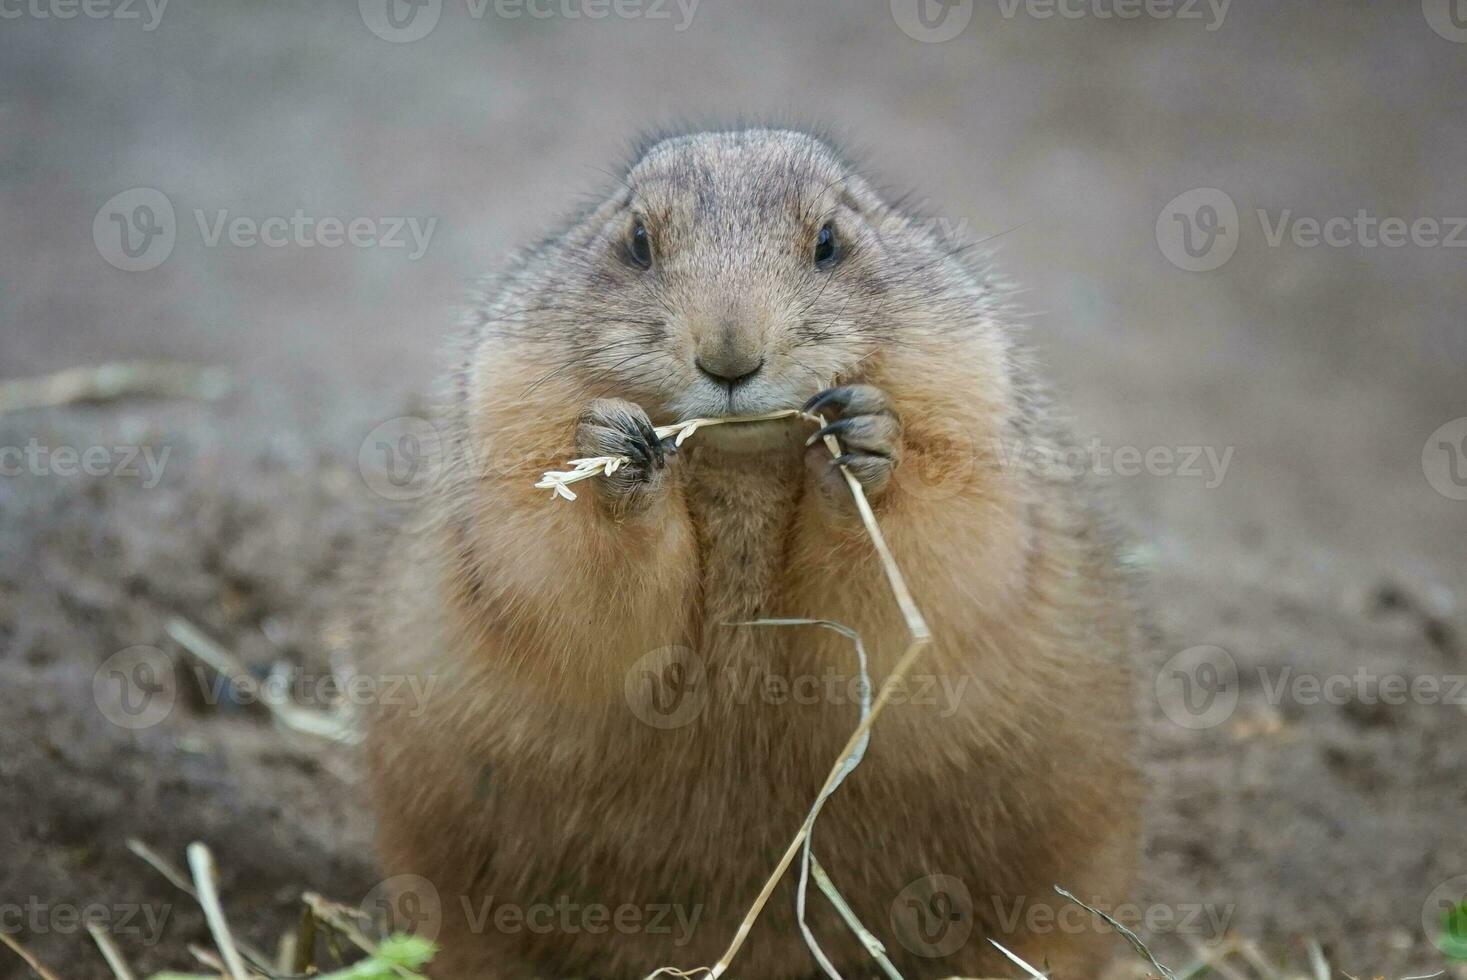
396,958
1453,940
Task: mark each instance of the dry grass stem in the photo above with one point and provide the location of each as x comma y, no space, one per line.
338,918
919,638
807,859
110,952
25,954
1216,959
161,865
1130,936
1014,957
317,723
873,945
106,382
559,481
180,881
1317,963
201,863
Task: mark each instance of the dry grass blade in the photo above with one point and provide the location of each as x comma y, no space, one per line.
180,881
807,860
1317,962
201,863
1014,957
25,954
1249,951
919,638
1216,960
339,917
304,958
160,864
1130,936
873,945
110,952
207,957
316,723
559,481
106,382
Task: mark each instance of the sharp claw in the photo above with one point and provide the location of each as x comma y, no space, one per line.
639,453
650,444
832,429
835,396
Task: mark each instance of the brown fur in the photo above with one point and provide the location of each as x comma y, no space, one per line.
531,776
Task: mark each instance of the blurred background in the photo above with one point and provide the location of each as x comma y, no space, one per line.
1161,188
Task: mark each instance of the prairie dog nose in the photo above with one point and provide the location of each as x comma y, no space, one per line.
728,366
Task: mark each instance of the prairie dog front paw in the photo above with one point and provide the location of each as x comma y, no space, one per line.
614,427
870,434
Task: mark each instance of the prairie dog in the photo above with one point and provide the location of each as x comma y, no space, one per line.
603,735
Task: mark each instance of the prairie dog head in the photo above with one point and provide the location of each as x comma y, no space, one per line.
733,273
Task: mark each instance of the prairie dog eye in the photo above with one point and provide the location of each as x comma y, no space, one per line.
639,246
827,249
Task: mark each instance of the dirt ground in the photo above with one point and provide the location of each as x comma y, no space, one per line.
1330,548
